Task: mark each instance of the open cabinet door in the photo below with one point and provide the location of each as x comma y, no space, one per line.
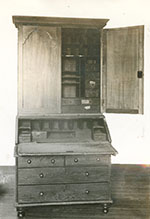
122,70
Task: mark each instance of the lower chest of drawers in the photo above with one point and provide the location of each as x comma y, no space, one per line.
58,179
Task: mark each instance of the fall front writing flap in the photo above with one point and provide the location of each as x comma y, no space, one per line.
122,70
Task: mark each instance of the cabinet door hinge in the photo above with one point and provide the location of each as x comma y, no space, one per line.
140,74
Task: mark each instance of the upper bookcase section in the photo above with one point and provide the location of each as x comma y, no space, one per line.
60,21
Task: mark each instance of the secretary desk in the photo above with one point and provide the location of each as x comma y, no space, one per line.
69,74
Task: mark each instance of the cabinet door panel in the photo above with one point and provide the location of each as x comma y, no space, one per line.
122,60
40,71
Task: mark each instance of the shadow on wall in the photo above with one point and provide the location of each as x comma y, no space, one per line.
3,190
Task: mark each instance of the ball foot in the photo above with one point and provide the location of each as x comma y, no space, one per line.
105,208
20,213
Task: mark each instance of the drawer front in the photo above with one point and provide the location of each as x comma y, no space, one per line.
40,161
87,160
88,174
60,193
41,175
63,175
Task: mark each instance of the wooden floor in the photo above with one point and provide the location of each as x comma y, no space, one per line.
130,192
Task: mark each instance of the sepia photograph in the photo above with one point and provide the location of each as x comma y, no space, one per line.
75,109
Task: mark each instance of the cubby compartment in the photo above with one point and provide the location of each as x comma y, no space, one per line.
62,130
80,70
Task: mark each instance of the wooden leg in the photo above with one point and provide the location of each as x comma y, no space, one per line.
105,208
20,212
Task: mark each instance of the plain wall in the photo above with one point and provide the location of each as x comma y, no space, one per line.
130,133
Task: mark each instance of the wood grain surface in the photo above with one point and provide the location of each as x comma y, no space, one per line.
63,193
60,21
63,175
122,59
39,69
130,193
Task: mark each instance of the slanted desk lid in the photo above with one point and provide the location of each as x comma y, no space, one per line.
32,149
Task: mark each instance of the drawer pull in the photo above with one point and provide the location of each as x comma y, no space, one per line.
53,161
76,160
29,161
87,173
98,159
87,191
41,193
41,175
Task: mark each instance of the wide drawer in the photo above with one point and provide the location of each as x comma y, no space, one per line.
79,160
64,192
40,161
63,175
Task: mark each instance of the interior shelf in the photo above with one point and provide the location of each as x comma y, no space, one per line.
70,82
80,69
70,76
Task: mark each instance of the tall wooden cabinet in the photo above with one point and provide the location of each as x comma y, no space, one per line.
70,71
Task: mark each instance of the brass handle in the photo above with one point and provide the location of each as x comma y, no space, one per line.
53,161
41,193
87,191
76,160
87,173
41,175
29,161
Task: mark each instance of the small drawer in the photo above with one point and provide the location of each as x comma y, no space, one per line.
40,161
65,192
88,192
79,160
88,174
41,175
70,101
39,135
40,193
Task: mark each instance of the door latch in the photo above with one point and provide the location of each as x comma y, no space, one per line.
140,74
